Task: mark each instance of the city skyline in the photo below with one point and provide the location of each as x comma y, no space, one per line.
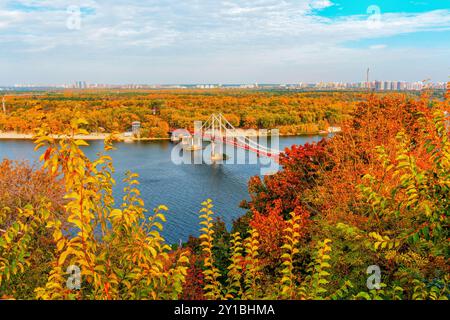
380,85
51,42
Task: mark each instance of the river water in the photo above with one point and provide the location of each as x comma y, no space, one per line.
181,187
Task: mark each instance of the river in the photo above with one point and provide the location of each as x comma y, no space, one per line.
182,188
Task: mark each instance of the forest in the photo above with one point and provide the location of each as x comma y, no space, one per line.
372,197
293,113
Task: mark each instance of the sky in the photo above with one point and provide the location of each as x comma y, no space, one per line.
214,41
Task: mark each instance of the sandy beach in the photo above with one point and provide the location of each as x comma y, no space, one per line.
15,136
89,137
122,137
29,136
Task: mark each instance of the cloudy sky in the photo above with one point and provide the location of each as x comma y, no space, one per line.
230,41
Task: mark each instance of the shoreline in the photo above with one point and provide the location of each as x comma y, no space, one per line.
89,137
122,138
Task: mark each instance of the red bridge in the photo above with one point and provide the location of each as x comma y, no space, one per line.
217,129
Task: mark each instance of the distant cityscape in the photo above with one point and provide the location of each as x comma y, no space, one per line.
373,85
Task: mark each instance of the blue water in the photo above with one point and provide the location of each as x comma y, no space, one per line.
182,188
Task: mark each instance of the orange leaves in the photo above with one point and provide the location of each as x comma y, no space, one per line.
21,183
158,111
270,227
286,191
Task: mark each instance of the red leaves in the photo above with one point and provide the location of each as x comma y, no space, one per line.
193,287
270,228
47,153
273,199
21,183
285,190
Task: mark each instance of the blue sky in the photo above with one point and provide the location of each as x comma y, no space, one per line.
229,41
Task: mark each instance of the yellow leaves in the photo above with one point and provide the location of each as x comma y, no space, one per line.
62,258
153,252
160,216
82,132
291,240
72,196
133,175
234,274
324,273
319,274
163,208
7,238
285,291
207,204
158,225
60,244
384,242
43,141
183,259
212,286
74,219
427,208
207,221
114,248
404,161
116,214
80,142
100,268
77,122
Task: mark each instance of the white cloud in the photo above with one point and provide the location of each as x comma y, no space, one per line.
195,30
321,4
377,46
8,18
209,22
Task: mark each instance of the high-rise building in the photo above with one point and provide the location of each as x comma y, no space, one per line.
378,85
80,85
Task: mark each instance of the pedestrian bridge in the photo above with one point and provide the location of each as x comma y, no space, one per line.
217,129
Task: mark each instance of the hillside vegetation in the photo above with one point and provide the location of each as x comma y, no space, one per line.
374,197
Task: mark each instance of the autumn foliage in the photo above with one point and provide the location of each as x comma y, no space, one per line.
161,111
374,195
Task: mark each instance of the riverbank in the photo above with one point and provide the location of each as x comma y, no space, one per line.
29,136
122,137
88,137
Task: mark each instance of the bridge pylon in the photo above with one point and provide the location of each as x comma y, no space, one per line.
217,134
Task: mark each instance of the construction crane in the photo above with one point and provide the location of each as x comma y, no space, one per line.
17,95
